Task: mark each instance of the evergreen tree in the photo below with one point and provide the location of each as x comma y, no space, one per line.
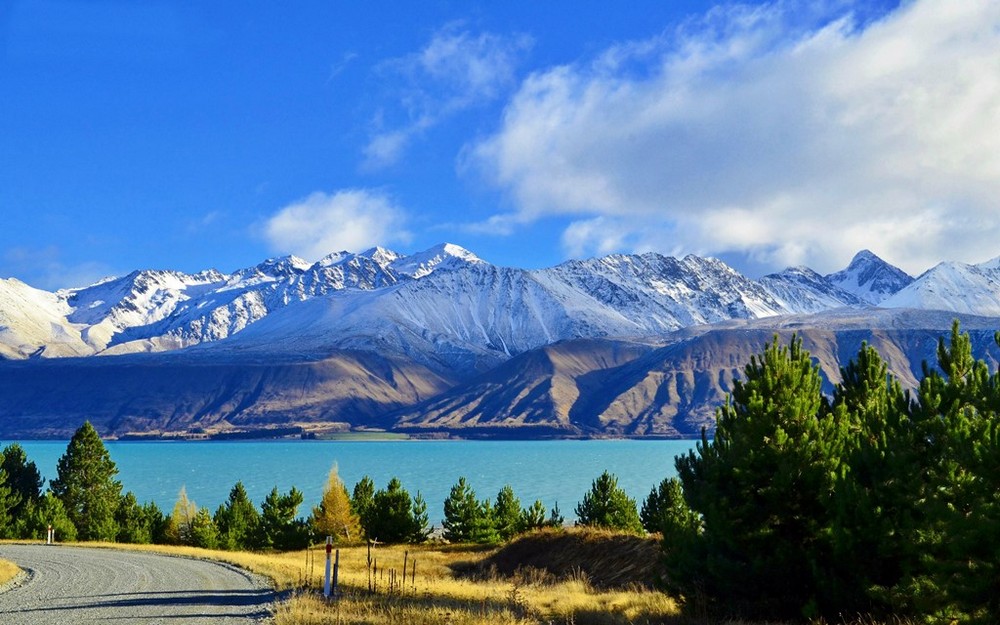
420,522
362,501
23,477
133,523
533,517
763,489
157,522
462,513
507,514
204,532
9,500
86,485
279,527
607,505
666,504
47,511
556,518
392,517
334,516
237,520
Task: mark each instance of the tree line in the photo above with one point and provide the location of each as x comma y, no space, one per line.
85,502
875,503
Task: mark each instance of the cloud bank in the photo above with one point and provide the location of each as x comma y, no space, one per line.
455,71
350,219
746,131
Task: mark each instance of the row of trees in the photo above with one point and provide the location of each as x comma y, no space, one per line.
85,502
874,502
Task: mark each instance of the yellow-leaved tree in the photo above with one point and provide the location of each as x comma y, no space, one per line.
334,516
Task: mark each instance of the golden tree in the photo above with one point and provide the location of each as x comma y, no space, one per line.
334,516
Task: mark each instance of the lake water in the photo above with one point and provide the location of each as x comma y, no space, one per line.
552,471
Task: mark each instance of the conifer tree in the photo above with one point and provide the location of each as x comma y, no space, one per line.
279,527
334,516
533,517
86,485
204,532
507,514
665,504
237,520
133,523
9,500
23,477
393,517
763,489
362,500
607,505
462,513
47,511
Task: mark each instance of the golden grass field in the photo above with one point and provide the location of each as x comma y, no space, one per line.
438,595
7,571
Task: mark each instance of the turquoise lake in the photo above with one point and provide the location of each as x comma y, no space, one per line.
552,471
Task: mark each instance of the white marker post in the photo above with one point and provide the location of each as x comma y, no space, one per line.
50,536
329,550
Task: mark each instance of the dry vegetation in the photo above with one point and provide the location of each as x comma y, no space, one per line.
7,571
443,591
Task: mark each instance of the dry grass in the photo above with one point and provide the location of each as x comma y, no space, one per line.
7,571
438,595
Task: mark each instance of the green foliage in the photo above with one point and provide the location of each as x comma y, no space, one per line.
393,517
8,501
607,505
237,520
279,526
134,523
38,516
556,518
533,517
204,532
362,501
23,478
87,487
463,514
507,514
763,490
666,505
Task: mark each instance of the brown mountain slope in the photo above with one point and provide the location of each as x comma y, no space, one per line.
170,395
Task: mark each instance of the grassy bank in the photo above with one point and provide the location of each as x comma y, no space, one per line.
442,591
7,571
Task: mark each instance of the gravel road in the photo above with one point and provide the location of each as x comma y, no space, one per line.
85,585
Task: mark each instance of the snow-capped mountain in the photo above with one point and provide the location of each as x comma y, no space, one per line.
958,287
445,307
870,278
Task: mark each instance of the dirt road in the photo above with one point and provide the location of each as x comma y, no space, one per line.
86,585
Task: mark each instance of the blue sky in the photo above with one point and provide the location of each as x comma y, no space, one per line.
186,135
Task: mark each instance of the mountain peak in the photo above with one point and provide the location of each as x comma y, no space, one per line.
442,256
870,278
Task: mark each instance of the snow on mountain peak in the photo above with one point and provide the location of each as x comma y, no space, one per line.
443,256
870,278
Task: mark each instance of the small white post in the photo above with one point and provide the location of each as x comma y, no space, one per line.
329,550
50,536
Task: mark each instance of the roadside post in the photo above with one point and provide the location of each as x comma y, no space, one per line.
326,582
50,536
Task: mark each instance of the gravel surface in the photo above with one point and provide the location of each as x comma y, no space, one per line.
85,585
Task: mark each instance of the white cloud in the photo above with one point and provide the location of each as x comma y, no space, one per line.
751,130
44,268
455,71
351,219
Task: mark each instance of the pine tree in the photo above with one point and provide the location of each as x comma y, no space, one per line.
763,489
133,522
533,517
280,528
9,500
47,511
362,501
461,513
237,520
420,528
23,477
607,505
392,517
334,516
666,505
507,514
204,532
87,487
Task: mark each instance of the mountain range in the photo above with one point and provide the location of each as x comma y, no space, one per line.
443,342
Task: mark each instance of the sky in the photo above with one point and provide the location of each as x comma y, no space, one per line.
173,134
